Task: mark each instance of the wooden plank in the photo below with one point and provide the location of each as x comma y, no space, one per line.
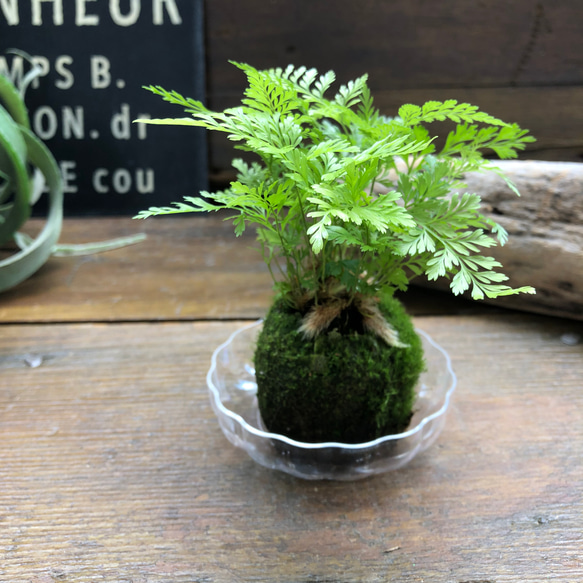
403,44
552,114
545,228
188,268
113,468
561,127
194,268
521,61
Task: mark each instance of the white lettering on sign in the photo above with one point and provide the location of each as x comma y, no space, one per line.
73,123
122,180
83,17
69,176
85,83
144,180
125,19
45,122
67,77
120,123
142,127
100,75
43,65
158,15
37,17
10,10
15,72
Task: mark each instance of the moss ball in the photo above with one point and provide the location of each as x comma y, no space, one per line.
345,386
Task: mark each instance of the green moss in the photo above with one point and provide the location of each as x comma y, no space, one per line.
344,386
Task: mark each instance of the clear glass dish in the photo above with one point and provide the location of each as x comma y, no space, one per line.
232,387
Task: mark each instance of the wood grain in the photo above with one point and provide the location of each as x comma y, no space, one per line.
190,268
522,62
402,44
194,268
545,227
187,268
551,114
114,469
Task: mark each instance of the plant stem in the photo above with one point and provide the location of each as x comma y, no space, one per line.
308,244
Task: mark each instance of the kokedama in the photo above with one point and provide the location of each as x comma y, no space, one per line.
338,358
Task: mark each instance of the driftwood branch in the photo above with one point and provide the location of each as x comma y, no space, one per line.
545,225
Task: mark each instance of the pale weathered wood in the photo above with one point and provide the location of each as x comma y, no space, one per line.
546,232
112,468
545,226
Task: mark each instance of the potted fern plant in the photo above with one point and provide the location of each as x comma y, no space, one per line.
337,360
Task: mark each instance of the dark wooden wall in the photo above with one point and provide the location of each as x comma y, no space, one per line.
521,61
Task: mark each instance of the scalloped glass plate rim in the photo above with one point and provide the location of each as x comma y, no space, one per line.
328,444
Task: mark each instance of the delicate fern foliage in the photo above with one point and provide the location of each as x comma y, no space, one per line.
440,111
320,222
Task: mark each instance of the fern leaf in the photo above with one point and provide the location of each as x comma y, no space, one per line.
440,111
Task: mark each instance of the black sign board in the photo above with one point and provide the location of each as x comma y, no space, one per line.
95,56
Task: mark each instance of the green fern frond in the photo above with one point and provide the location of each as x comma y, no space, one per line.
442,110
311,196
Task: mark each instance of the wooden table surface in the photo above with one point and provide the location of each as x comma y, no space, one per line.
113,468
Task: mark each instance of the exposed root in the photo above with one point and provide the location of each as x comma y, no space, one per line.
375,322
320,317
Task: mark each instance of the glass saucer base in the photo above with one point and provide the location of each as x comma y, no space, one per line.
232,388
